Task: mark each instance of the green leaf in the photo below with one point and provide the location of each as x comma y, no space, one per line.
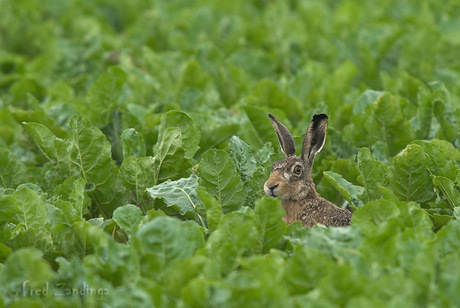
444,157
103,96
128,217
242,157
373,173
189,133
170,239
439,220
450,129
261,130
214,134
26,266
54,149
180,194
39,238
374,213
35,113
269,214
411,180
348,190
138,173
457,212
213,209
388,123
300,282
133,143
12,171
169,159
449,191
366,99
31,209
219,176
79,197
91,154
5,251
237,235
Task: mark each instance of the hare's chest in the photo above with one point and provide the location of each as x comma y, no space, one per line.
296,212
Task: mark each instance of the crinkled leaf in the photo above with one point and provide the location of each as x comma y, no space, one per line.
103,96
50,145
189,133
133,143
366,99
35,113
411,179
39,238
138,173
170,239
180,194
31,209
389,124
348,190
242,157
449,128
213,209
374,213
444,157
457,212
218,174
269,214
79,197
26,266
12,171
448,190
128,217
372,173
169,160
91,154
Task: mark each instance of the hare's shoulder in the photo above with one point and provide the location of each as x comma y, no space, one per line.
320,210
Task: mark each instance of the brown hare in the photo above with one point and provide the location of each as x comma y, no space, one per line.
291,178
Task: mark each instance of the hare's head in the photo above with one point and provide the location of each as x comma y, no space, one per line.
291,177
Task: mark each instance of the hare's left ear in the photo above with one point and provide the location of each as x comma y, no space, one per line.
314,138
284,136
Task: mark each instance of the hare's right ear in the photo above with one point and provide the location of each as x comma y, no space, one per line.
284,136
314,138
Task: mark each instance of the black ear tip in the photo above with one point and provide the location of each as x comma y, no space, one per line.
271,116
320,117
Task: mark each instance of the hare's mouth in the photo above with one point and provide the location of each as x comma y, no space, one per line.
271,191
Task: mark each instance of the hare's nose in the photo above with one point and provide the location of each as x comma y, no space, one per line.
272,189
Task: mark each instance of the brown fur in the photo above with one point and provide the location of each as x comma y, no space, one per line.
296,188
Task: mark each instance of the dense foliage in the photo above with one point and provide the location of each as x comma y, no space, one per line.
106,104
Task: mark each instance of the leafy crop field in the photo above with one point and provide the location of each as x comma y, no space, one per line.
134,144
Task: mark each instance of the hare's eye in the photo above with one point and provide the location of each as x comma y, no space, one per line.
297,169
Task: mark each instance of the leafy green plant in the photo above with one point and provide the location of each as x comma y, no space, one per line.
134,145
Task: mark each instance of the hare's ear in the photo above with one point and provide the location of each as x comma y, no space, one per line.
314,138
284,136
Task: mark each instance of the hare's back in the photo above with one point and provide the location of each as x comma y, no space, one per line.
322,211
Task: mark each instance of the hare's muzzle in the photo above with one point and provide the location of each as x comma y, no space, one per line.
271,190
